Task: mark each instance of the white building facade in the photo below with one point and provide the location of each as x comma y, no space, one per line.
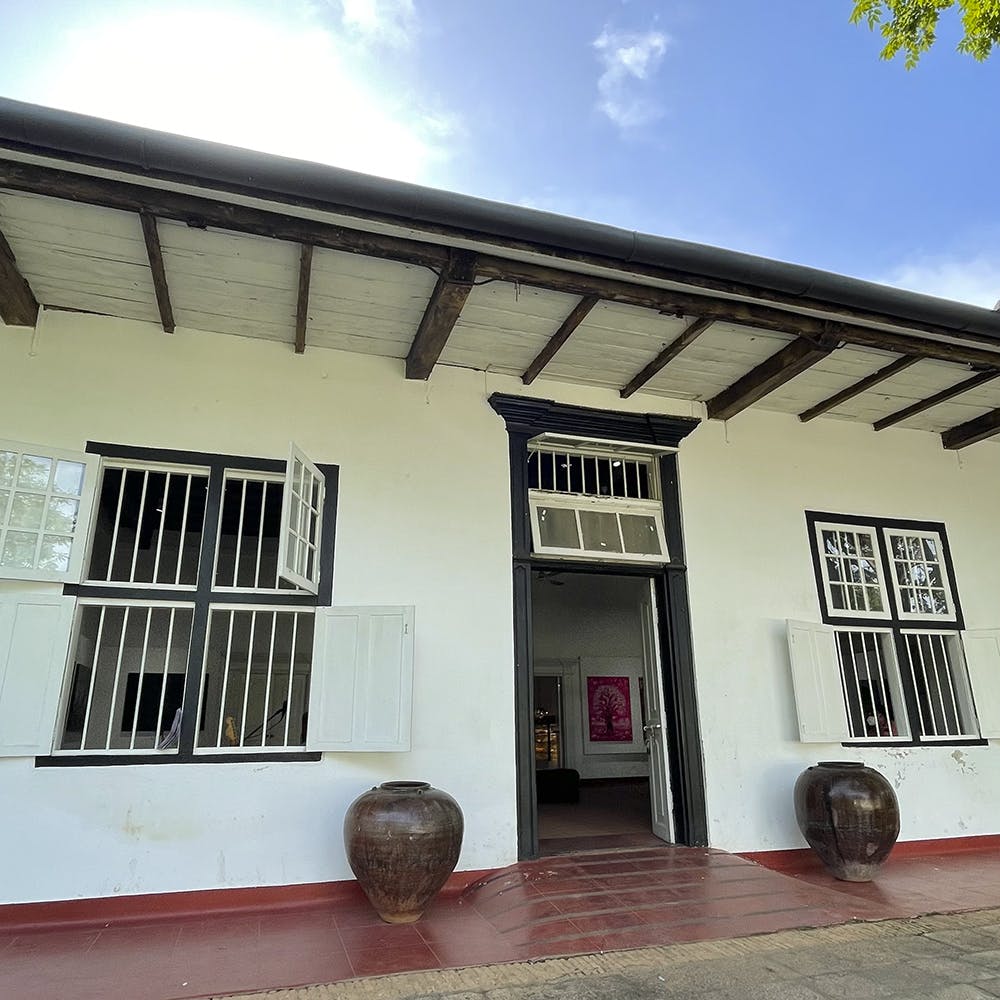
208,649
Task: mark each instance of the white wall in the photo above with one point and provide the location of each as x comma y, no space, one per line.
745,486
424,519
424,484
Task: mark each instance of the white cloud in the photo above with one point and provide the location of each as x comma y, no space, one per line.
629,59
288,84
391,22
974,279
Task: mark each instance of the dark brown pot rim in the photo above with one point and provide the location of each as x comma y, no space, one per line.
840,763
405,786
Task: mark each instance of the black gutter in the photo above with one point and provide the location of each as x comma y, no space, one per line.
160,155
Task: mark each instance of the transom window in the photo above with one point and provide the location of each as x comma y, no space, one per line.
189,637
591,504
904,677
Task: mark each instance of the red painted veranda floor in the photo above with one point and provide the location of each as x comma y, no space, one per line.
595,901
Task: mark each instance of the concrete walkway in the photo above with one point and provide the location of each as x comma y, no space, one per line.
949,957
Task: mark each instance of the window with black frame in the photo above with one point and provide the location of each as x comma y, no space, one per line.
887,594
194,629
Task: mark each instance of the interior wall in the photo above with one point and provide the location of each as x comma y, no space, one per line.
587,623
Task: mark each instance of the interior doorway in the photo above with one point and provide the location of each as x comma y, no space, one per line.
601,772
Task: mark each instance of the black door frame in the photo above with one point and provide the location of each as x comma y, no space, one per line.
526,418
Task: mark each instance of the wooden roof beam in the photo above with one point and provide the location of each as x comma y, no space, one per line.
18,305
763,317
979,429
793,359
302,306
154,253
687,336
273,223
445,306
569,324
869,382
203,212
967,385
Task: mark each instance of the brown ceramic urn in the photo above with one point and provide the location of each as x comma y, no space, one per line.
849,815
403,840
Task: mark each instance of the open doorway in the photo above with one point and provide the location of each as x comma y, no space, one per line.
600,753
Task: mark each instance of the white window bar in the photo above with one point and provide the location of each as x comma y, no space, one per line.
262,643
163,521
122,651
872,695
138,525
598,472
142,677
136,549
183,534
118,671
938,672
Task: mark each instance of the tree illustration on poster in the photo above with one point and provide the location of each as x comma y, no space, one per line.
609,709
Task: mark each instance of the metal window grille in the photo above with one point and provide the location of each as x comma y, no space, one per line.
870,677
940,680
149,526
249,531
126,683
598,475
40,498
140,666
255,687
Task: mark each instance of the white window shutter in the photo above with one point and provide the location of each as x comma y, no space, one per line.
362,679
982,657
819,697
302,500
34,641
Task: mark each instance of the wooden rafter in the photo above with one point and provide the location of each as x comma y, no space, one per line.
302,305
869,382
18,305
207,212
979,429
779,368
154,252
443,309
687,336
569,324
967,385
762,317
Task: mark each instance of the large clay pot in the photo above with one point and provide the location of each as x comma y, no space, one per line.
849,815
403,840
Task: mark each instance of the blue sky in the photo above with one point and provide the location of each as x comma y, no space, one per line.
771,128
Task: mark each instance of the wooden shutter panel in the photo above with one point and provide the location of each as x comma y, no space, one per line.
982,657
362,679
819,697
34,640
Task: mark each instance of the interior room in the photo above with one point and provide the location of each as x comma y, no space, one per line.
592,769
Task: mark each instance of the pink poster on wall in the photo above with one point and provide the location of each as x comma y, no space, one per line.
609,709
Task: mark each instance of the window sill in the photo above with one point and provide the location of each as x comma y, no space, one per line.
121,760
910,744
